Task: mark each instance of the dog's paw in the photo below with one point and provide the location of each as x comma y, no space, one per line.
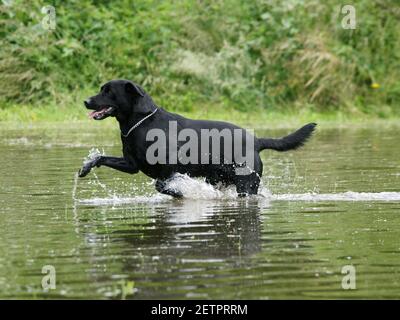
87,167
83,172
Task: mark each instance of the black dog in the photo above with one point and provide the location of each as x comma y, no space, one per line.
137,115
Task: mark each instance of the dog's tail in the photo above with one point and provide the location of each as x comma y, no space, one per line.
290,142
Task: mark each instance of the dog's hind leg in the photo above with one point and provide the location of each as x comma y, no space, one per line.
247,185
214,181
162,187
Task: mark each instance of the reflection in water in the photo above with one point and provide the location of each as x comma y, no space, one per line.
169,241
333,203
192,225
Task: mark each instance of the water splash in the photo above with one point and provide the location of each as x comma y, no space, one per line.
198,189
93,154
218,195
115,200
102,185
75,187
344,196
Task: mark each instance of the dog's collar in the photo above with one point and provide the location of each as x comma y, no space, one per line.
138,124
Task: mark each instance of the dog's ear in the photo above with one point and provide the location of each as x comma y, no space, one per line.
139,105
134,89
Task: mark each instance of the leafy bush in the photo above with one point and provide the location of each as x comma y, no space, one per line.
248,55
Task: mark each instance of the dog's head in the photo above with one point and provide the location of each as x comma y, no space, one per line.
119,98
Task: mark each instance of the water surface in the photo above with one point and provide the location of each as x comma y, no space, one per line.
334,203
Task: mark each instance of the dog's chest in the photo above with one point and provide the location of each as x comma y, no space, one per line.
129,153
134,152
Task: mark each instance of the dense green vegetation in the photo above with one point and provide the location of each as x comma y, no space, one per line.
275,56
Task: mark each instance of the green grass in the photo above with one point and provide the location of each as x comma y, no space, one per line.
48,115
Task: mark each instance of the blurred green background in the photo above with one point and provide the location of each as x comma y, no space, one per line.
244,56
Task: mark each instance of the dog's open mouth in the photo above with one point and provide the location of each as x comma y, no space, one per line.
102,113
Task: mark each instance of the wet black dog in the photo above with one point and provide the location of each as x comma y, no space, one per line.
137,115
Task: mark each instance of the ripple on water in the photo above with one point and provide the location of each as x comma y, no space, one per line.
111,229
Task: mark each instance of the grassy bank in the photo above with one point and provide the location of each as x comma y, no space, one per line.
26,116
201,58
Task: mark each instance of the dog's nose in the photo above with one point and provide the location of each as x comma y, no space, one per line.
87,103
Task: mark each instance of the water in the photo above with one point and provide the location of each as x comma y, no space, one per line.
334,203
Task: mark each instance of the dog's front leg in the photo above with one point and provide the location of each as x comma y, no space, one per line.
116,163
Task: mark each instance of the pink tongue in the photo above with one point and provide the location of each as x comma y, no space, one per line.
95,113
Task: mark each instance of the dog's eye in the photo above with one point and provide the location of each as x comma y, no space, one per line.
107,92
